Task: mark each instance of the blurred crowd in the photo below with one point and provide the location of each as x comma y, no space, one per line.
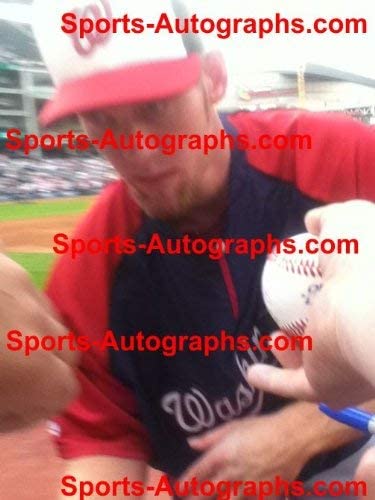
30,178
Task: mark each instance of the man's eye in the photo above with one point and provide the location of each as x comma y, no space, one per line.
95,119
153,108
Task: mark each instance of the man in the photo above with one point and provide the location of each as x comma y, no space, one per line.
142,407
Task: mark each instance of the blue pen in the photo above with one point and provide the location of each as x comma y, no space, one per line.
358,419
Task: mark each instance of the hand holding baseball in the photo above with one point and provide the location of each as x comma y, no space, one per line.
32,387
339,369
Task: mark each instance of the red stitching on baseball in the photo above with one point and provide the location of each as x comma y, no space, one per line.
295,327
303,267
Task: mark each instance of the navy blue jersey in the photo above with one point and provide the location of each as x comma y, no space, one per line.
145,405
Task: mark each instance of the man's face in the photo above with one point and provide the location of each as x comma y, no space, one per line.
165,186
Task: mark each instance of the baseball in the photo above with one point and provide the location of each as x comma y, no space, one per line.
289,284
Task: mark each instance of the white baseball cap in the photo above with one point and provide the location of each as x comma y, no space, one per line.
100,70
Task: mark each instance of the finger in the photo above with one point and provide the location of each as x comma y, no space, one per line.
313,221
366,473
281,381
210,438
316,219
289,358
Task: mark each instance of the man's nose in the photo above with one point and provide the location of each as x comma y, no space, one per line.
138,143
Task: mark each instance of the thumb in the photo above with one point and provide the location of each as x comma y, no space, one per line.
289,383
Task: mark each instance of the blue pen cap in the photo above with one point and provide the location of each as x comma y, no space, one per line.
354,417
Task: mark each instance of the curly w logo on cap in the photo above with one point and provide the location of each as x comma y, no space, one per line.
92,13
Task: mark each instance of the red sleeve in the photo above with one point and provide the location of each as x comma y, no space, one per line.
340,164
104,420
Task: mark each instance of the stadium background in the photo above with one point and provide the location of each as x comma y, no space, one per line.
48,192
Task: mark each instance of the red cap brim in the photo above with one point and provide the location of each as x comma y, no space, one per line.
126,85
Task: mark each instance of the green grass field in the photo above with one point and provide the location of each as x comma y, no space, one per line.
44,208
39,264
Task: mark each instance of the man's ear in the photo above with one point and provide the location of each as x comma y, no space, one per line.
215,76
